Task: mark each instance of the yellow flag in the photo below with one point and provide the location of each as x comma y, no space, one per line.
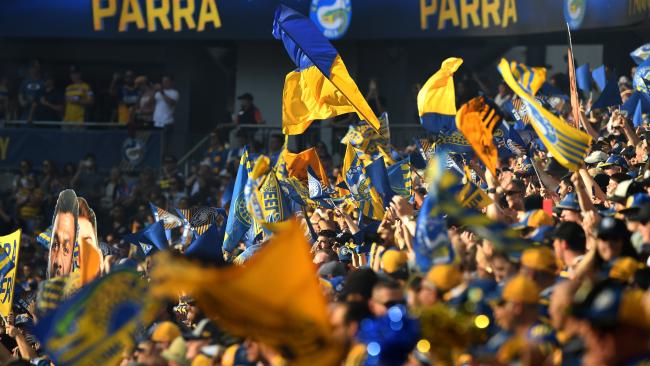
476,120
8,264
90,262
274,297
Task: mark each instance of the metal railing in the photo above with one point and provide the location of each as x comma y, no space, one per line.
61,123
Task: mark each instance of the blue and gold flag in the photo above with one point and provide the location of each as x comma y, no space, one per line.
9,250
321,87
170,221
437,98
239,219
567,144
268,204
199,219
366,139
279,305
97,324
378,175
530,79
399,176
361,191
472,196
317,192
45,237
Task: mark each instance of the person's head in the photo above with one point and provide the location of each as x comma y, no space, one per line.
49,83
25,166
519,302
565,187
503,89
87,224
439,281
515,191
325,239
141,82
568,241
167,82
560,303
246,100
144,351
35,69
346,318
75,75
129,77
358,285
502,267
385,294
64,233
323,256
612,239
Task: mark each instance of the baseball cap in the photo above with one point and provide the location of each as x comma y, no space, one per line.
205,329
634,203
625,189
393,260
247,96
642,215
624,268
614,159
444,277
610,227
569,202
165,332
596,157
569,231
520,288
540,234
176,352
609,304
534,219
332,269
539,259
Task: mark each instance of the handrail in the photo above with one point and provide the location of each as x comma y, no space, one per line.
62,123
193,150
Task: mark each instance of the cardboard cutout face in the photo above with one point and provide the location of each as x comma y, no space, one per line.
90,256
64,234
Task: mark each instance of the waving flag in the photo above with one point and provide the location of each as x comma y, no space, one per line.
9,255
399,176
155,234
321,87
170,221
268,204
530,79
476,119
437,98
583,77
239,219
610,96
378,176
567,144
45,237
317,193
296,165
637,119
199,219
631,103
279,305
472,196
599,75
364,138
208,245
641,54
361,191
508,140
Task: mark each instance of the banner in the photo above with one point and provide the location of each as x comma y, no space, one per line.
96,324
110,147
350,19
11,248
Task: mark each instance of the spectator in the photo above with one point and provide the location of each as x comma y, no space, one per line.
114,189
166,98
87,181
144,106
248,114
50,105
502,95
31,89
78,97
127,93
376,102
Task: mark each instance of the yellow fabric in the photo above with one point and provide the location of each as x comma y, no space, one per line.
90,261
521,289
393,260
356,356
523,75
229,354
165,332
568,145
73,111
624,269
201,360
476,120
444,276
279,305
539,218
365,195
437,95
296,164
632,312
123,114
539,259
308,95
10,245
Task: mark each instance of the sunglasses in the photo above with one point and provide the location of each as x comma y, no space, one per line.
390,304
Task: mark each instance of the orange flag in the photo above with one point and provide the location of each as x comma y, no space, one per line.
476,120
90,262
297,164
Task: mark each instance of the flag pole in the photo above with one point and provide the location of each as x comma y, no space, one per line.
575,103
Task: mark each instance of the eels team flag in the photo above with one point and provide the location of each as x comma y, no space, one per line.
530,79
437,98
321,87
279,305
567,144
476,119
239,219
296,165
8,263
358,182
97,324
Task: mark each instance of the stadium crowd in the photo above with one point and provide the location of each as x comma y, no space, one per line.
575,291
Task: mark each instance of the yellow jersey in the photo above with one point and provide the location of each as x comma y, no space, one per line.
75,112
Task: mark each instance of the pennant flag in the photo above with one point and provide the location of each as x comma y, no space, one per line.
610,96
378,176
170,221
97,324
365,196
530,79
226,195
317,192
200,218
321,87
294,318
154,234
296,165
472,196
426,149
567,144
508,141
476,119
600,77
45,237
399,177
575,102
295,190
641,54
637,119
364,138
583,77
208,245
437,98
452,142
632,101
641,78
239,219
10,248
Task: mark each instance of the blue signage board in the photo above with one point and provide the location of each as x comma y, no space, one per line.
337,19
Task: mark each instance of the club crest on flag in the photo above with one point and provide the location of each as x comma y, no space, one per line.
332,17
547,129
574,12
241,211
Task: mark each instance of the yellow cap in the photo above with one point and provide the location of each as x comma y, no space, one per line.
539,259
201,360
165,332
444,277
624,269
631,311
539,218
521,289
393,260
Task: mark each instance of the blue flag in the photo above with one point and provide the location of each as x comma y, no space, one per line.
208,245
317,192
378,176
239,219
641,54
583,78
399,176
226,196
610,96
638,118
155,234
600,77
631,103
508,141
